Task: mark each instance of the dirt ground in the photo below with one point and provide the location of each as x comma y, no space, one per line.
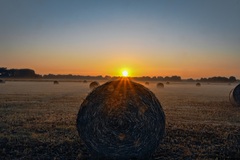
38,121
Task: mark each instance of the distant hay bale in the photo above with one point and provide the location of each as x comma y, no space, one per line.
234,96
93,84
167,82
121,120
198,84
85,81
146,83
160,85
55,82
2,81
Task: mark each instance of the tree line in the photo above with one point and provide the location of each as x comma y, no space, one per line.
18,73
29,73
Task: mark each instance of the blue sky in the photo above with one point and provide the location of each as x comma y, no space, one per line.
153,37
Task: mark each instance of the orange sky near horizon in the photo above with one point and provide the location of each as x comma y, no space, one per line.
138,67
139,62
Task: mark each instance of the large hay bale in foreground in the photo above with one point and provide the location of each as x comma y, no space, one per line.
121,120
160,85
234,96
93,84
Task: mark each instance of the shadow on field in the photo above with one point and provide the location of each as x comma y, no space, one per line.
34,149
199,142
180,142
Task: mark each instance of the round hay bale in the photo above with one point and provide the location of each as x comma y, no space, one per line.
146,83
85,81
167,82
198,84
93,85
234,96
55,82
160,85
121,120
2,81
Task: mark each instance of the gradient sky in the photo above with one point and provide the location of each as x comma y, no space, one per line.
188,38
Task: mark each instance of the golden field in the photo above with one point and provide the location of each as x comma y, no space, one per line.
38,120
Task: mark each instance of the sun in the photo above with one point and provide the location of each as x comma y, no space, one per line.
125,73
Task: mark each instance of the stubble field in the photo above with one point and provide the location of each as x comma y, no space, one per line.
38,121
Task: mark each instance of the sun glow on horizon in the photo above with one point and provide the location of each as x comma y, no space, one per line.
125,73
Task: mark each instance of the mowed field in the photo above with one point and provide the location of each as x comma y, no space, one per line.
38,121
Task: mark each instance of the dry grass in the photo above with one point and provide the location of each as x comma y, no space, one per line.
38,121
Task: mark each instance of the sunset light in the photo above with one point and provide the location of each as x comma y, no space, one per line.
110,78
125,73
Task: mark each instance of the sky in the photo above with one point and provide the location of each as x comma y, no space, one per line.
188,38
